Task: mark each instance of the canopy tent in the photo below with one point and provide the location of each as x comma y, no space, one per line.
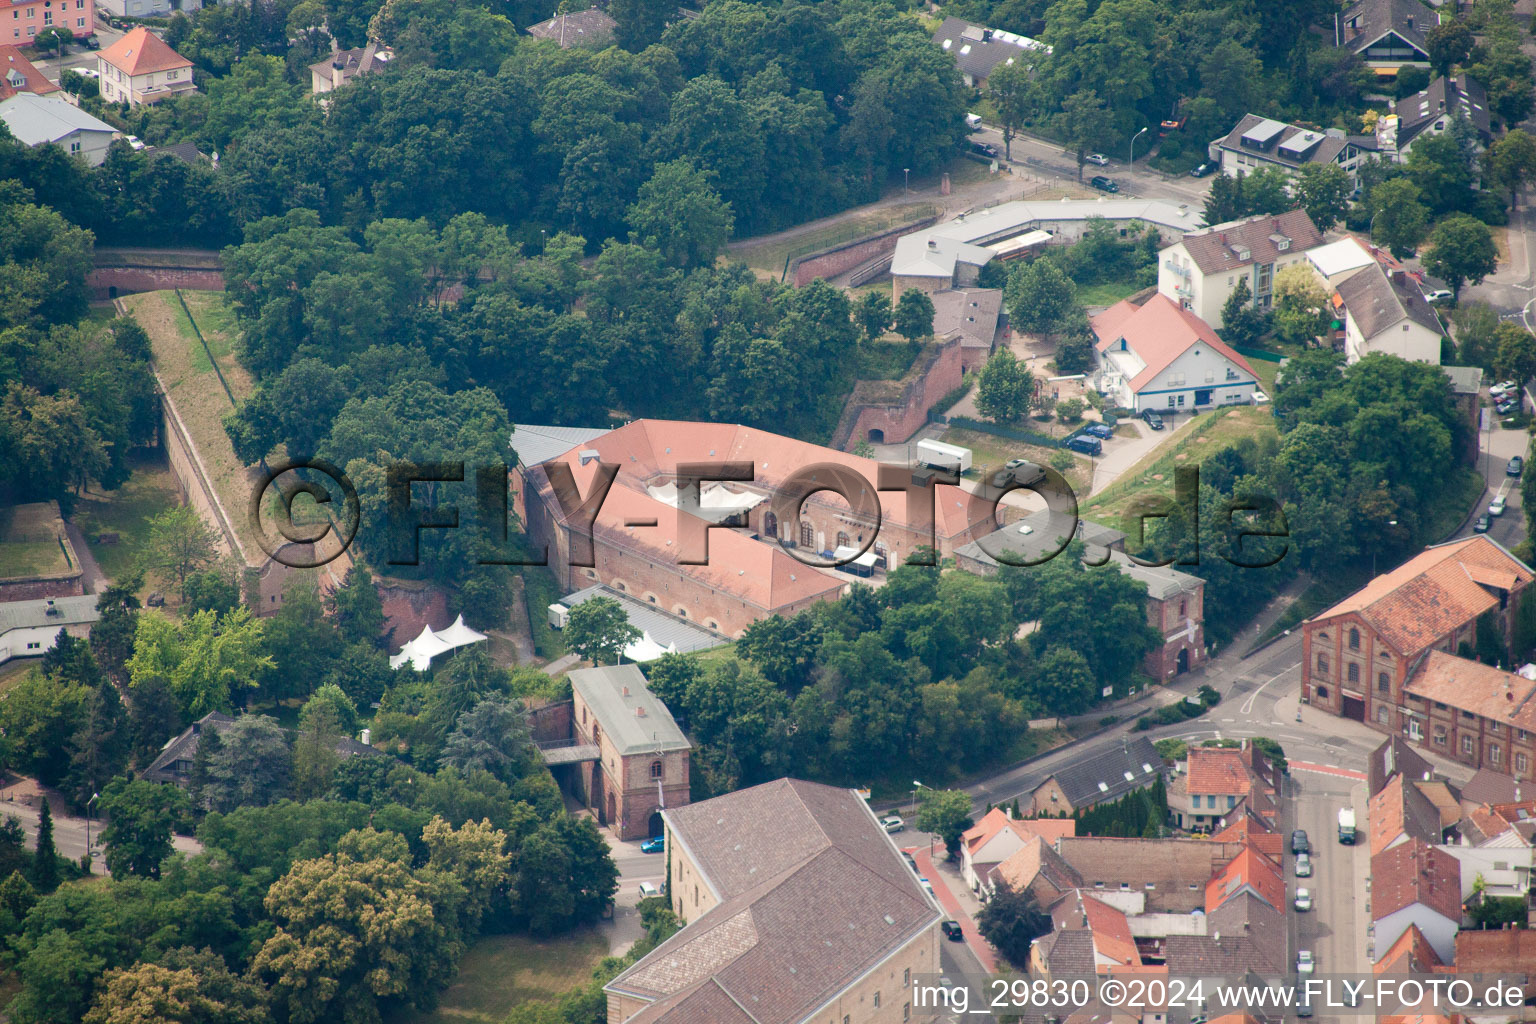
428,645
855,563
647,649
717,502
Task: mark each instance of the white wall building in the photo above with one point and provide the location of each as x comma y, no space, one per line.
1200,271
46,120
28,629
1162,358
141,68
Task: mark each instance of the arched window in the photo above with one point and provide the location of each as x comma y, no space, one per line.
1383,682
1354,639
1354,673
1322,664
1322,693
842,538
807,533
771,525
1183,608
655,769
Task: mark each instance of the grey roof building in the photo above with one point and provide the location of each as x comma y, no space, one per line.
796,901
1034,538
29,628
1257,141
174,762
1394,757
1386,33
1432,110
591,27
665,630
42,120
1107,775
979,50
536,444
970,314
634,718
1388,313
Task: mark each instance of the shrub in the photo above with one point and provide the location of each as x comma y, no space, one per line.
1070,410
1143,723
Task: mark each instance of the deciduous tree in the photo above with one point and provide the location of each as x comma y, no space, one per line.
1005,388
599,630
1461,250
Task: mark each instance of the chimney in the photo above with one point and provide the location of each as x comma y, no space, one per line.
197,727
639,712
625,690
366,739
1399,278
338,71
986,35
932,244
1410,21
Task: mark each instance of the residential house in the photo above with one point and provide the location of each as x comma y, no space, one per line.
1107,775
638,765
1495,849
1394,757
973,316
979,50
1168,876
1387,313
1258,142
999,835
1358,655
1431,112
1410,954
1215,780
592,28
149,8
1200,271
29,629
1507,952
1415,884
1386,34
174,762
1175,600
1035,868
1477,714
762,877
17,74
47,120
29,17
1488,786
1466,392
1160,356
1113,944
345,65
1246,825
645,542
141,68
1400,814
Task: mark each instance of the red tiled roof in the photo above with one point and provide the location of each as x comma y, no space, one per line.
1471,686
12,60
1249,829
996,820
1111,932
1250,868
1158,332
1399,810
1415,872
1410,954
141,52
1218,770
1415,605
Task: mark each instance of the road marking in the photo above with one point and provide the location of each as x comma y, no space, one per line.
1247,707
1327,769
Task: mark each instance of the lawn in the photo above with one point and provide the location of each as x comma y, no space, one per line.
885,360
186,372
150,489
1106,294
770,256
1208,434
32,545
503,971
989,452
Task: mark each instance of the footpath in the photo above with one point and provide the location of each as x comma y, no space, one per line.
944,882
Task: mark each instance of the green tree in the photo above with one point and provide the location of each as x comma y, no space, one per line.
599,630
53,37
1514,353
45,862
1398,218
184,986
1450,43
1011,922
1064,681
914,315
112,634
639,22
322,727
492,737
1323,191
99,748
1005,388
1512,162
1040,297
178,544
1010,87
1461,250
1223,202
253,767
356,610
40,716
1443,172
679,214
873,313
1084,122
216,590
945,813
204,660
138,834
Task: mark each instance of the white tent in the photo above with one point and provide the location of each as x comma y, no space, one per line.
717,502
428,645
647,649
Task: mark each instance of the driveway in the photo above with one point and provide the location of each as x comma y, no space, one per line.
91,576
1121,453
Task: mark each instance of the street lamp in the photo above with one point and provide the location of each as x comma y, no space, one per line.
905,179
93,799
1133,146
915,787
1372,229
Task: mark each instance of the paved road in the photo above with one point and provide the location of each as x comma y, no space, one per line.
1335,929
1042,157
91,576
1498,446
69,832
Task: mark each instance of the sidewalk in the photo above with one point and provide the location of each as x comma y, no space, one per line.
943,880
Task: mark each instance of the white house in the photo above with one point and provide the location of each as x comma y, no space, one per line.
1416,884
1256,142
1497,847
998,836
1386,34
28,629
43,120
1200,271
1387,313
1432,111
1164,358
141,68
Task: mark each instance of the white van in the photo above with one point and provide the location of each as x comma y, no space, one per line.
973,122
649,890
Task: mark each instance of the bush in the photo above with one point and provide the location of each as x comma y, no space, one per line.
1170,713
1209,697
1172,749
1061,461
1143,723
1070,410
1189,710
1108,720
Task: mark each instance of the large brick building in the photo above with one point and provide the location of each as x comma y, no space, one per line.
641,542
641,765
1357,656
798,910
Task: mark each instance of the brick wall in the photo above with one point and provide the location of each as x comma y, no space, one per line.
37,589
110,282
551,722
898,420
840,259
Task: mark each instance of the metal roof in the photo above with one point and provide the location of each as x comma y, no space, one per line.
666,630
537,444
1005,220
69,611
1046,532
34,120
633,717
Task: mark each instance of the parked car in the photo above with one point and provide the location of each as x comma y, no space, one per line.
1303,1002
1097,159
1099,430
649,890
1506,405
1438,295
134,141
1509,385
1103,184
1019,471
927,887
85,72
1085,445
910,862
1152,419
1499,390
1496,507
952,931
1303,865
892,823
1299,842
1482,524
655,844
1305,962
984,148
1303,899
1516,466
1203,169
